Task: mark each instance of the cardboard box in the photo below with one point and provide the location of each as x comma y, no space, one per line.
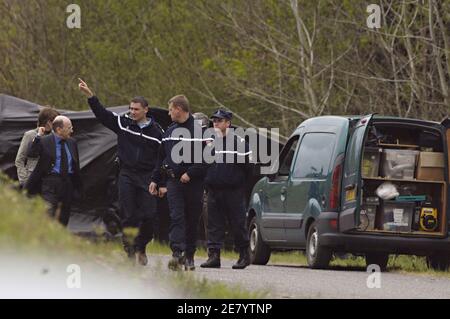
430,166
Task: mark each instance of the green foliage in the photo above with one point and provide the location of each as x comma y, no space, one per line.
247,55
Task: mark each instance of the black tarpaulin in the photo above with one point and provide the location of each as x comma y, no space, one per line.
97,149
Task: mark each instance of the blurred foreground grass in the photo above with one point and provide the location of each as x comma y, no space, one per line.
26,229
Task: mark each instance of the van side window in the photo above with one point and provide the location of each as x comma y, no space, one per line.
286,161
314,156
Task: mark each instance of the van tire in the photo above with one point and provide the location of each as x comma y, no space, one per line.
318,256
380,259
438,261
259,250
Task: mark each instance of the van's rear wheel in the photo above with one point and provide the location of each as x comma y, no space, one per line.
259,250
317,255
438,261
380,259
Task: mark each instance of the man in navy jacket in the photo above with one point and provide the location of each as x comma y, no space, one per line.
138,141
184,180
225,181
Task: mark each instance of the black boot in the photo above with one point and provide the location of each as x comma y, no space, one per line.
129,249
177,261
244,259
189,262
213,259
141,257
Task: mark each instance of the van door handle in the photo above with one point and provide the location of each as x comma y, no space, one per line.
349,187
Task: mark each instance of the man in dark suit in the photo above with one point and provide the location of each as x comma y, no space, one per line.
57,172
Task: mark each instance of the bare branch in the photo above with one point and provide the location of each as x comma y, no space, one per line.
443,83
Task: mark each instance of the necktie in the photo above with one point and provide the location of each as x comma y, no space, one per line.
64,170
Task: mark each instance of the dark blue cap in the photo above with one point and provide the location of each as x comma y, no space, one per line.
222,114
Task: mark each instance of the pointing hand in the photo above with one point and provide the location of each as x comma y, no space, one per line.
84,88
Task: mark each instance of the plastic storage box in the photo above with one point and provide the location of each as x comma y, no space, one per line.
371,161
398,216
399,164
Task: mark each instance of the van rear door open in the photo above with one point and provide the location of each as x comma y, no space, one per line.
446,124
351,179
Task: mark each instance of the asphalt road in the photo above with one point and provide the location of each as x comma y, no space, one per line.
41,275
290,281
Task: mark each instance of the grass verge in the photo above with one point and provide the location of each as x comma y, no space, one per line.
26,229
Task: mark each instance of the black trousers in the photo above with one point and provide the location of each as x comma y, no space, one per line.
185,206
226,204
57,192
137,206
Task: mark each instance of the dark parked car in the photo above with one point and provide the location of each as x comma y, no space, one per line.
369,185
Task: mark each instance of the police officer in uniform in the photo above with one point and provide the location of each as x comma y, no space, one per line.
184,181
138,141
225,181
204,121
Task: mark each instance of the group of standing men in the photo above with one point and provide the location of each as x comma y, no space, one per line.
149,169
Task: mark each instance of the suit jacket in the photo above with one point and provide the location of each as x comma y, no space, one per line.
44,147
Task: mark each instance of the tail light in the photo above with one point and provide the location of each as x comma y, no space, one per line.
333,223
335,191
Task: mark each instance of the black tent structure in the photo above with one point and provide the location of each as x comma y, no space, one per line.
97,148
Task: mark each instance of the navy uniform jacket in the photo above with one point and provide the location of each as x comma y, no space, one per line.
137,147
232,166
195,170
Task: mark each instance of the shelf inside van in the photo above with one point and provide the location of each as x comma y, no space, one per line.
436,191
402,180
384,145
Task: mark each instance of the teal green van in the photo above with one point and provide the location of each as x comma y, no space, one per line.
323,198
